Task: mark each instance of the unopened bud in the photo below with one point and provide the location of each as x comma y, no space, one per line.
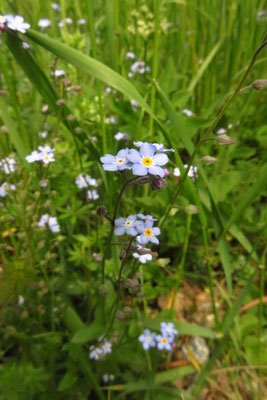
60,102
259,84
45,108
103,289
78,130
71,118
102,211
131,284
191,209
75,89
157,183
207,160
67,82
120,315
224,140
127,310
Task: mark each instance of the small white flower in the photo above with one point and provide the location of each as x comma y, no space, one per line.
43,134
68,21
187,112
130,55
47,158
55,6
21,300
221,131
26,46
2,19
7,165
92,195
106,348
81,21
34,156
134,105
16,23
58,73
121,136
46,149
5,188
111,120
43,220
44,23
95,352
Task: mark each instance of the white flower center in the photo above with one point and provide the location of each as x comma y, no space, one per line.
120,161
168,329
148,339
128,223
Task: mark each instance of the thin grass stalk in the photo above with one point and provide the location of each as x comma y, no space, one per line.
154,65
91,26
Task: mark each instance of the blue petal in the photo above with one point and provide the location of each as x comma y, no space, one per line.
110,167
140,227
160,159
153,239
154,170
132,217
140,170
108,159
149,224
134,156
119,231
122,153
138,144
144,239
156,231
131,231
147,149
120,221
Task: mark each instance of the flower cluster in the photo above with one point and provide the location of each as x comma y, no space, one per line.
163,341
51,222
15,23
138,67
108,378
148,160
46,155
5,187
96,352
7,165
85,182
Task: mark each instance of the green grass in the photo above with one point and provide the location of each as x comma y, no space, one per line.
200,55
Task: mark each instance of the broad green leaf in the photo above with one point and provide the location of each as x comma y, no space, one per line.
88,333
90,66
174,374
43,85
184,328
204,66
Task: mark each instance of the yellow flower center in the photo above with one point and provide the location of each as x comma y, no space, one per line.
120,161
164,341
46,158
148,232
147,161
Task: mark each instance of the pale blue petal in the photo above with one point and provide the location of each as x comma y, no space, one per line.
122,153
154,170
140,170
110,167
153,239
134,156
140,227
132,217
160,159
149,223
119,231
131,231
147,149
138,144
156,231
120,221
108,159
144,239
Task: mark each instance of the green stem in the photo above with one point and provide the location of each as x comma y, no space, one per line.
154,65
261,321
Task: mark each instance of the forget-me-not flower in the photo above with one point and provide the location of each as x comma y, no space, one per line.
143,258
148,233
127,225
147,339
167,329
145,217
95,353
106,348
92,195
146,161
164,342
159,146
16,23
7,165
118,162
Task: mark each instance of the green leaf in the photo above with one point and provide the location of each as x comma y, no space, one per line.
68,380
88,333
184,328
174,374
90,66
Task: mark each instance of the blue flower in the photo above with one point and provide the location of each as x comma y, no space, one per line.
164,342
127,225
106,348
115,163
146,161
148,233
167,329
95,353
147,339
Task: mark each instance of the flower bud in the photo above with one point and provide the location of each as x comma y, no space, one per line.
224,140
120,315
78,130
103,290
76,89
131,284
60,102
71,118
207,160
45,109
127,310
102,211
157,183
191,209
259,84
